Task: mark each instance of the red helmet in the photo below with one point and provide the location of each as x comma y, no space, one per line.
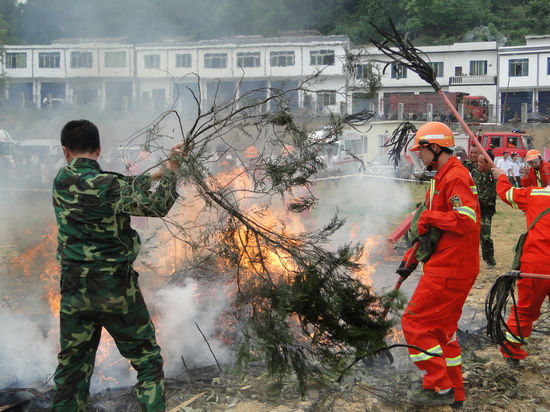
433,132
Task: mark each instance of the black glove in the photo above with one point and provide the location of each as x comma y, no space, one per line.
405,272
426,245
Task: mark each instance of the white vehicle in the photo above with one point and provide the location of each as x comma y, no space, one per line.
345,156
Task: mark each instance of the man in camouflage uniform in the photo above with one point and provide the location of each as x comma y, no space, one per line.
486,194
470,163
96,250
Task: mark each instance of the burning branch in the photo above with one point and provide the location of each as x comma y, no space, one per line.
306,312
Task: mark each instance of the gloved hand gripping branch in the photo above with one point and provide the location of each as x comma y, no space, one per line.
405,271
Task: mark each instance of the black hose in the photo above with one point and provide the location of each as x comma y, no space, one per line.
495,310
399,140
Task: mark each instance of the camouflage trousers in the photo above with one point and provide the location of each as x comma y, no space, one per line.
487,248
110,300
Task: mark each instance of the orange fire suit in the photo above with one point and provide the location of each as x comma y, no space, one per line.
539,178
534,259
431,318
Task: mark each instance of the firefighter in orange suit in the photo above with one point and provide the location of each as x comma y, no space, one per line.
431,318
534,259
539,172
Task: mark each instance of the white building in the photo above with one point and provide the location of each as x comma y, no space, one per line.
115,74
524,76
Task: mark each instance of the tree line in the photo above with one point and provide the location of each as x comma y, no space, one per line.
424,21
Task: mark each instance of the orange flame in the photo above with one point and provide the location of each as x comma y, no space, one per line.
41,258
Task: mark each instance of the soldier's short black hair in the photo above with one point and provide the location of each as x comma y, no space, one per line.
80,136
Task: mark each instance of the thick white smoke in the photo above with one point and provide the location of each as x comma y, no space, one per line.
29,347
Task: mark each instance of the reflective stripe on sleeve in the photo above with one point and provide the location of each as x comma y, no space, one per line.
515,339
454,361
510,198
468,211
474,189
432,190
540,192
418,357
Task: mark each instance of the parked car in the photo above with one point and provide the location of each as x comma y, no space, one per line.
536,117
346,155
383,165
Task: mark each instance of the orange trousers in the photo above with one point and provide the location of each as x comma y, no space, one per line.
531,295
430,322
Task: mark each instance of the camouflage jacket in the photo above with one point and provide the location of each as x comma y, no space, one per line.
486,189
93,210
468,164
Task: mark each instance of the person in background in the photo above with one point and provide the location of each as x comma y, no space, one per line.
471,162
252,164
506,164
96,251
460,153
531,292
516,169
487,196
538,173
224,161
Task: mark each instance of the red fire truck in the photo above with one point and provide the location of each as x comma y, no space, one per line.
476,108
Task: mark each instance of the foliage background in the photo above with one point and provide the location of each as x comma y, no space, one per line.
425,21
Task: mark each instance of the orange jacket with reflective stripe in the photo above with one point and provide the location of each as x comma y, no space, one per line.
540,178
532,200
453,208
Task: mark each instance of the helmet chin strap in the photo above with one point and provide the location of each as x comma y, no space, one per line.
434,160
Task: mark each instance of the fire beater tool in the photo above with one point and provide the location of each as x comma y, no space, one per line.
402,51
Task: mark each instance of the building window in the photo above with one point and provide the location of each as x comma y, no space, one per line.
365,141
326,98
548,65
281,58
321,58
398,71
478,67
248,59
518,67
183,60
115,59
81,60
152,61
49,60
362,71
215,60
16,60
437,68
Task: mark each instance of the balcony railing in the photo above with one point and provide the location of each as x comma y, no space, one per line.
476,79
